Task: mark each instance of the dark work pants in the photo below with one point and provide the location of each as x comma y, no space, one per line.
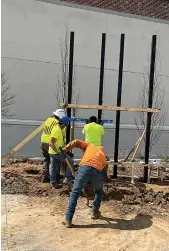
46,161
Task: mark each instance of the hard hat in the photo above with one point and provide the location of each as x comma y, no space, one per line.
64,120
59,113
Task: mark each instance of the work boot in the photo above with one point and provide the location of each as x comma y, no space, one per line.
67,223
56,186
45,176
95,215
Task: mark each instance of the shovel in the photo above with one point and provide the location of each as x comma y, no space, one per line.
67,161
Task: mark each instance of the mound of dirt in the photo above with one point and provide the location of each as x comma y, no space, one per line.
25,178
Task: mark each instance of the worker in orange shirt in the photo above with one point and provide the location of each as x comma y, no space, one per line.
90,170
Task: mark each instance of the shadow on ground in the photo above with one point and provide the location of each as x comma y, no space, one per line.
137,223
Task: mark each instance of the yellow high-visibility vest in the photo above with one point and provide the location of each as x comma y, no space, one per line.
57,134
93,133
48,126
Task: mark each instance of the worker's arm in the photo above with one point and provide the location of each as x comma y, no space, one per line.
52,144
76,143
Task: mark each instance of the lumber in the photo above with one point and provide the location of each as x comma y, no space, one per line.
138,144
22,143
110,108
135,147
131,150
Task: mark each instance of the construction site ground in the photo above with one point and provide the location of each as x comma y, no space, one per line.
134,217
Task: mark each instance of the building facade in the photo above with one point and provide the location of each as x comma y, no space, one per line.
31,33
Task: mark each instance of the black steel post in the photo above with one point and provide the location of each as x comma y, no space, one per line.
101,75
119,93
150,103
71,52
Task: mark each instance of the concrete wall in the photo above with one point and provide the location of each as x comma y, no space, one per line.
31,31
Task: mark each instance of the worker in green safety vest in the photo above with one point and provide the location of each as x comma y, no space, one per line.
93,132
45,139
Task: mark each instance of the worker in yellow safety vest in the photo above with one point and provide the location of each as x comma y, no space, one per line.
57,141
93,132
45,139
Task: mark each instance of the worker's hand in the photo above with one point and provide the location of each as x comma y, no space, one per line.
63,149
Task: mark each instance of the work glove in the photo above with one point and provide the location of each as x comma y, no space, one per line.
71,155
63,153
45,147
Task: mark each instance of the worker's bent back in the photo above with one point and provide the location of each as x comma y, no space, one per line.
93,133
93,156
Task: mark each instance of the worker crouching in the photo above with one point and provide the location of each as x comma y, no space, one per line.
90,170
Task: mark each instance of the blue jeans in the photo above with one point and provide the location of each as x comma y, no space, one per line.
84,175
55,168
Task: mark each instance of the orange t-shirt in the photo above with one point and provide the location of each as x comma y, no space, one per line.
93,156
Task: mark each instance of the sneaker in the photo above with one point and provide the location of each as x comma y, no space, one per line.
67,224
67,182
95,215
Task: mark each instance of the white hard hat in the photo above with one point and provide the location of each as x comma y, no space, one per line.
59,113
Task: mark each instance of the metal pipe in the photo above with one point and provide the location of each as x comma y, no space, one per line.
101,75
150,103
71,49
119,93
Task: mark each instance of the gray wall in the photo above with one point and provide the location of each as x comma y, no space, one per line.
31,31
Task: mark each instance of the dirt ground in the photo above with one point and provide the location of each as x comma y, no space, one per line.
133,217
35,224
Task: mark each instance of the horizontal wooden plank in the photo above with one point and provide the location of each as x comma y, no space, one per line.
110,108
136,164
